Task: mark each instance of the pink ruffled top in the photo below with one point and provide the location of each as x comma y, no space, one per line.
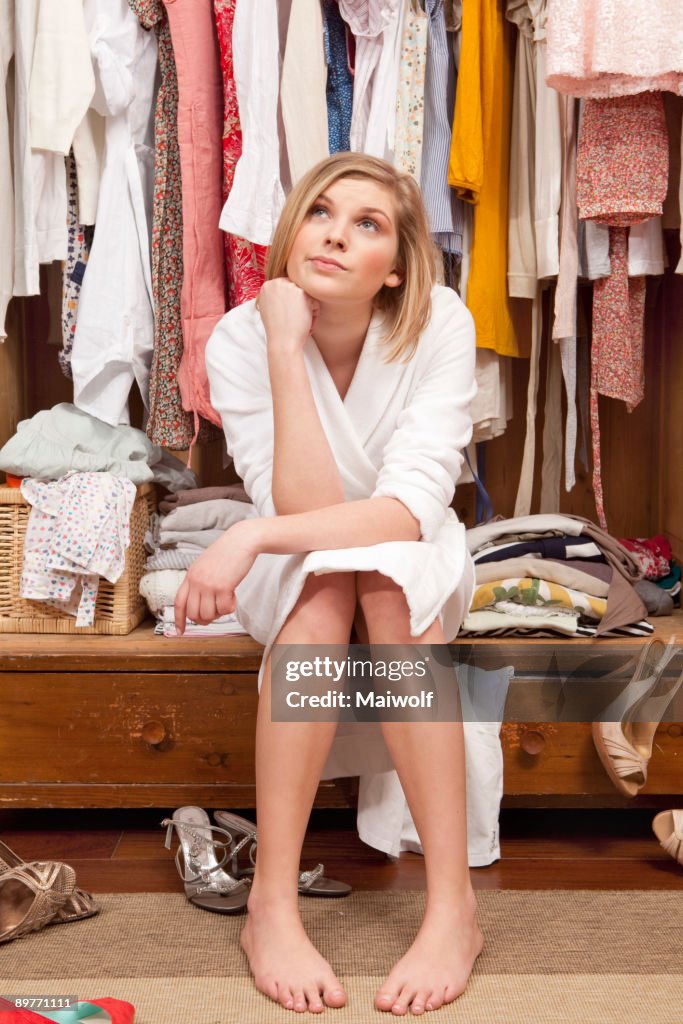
604,48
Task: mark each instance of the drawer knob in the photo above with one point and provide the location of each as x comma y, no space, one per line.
532,741
154,733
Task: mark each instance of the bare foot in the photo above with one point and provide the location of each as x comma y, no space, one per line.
437,966
285,963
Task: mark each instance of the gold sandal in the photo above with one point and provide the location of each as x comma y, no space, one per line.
79,905
30,896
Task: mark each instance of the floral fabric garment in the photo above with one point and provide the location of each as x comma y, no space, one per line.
78,530
411,94
245,262
78,249
168,423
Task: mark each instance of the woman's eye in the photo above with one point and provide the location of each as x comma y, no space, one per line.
317,210
370,223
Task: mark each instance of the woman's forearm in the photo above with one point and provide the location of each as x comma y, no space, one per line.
305,473
349,524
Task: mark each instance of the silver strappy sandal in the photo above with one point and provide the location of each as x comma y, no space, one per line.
207,884
311,883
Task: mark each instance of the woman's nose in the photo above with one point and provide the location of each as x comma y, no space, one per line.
336,237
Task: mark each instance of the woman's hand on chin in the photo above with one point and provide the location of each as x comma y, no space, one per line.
208,590
288,314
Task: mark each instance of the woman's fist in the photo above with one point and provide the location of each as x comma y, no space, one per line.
288,314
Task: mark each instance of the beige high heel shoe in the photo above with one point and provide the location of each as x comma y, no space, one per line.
668,827
30,896
623,744
78,906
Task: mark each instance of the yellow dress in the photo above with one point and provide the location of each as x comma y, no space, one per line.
478,167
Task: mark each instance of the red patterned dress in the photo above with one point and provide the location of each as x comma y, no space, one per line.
245,261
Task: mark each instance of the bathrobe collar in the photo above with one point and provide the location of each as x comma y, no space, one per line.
372,386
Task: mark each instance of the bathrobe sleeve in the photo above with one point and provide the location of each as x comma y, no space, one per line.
424,456
239,383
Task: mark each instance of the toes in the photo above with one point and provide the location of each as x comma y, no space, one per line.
419,1000
335,996
300,1003
285,997
385,1000
433,1001
315,1003
403,1001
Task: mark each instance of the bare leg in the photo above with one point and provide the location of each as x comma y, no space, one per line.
290,757
430,761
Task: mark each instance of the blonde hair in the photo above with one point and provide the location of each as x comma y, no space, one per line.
407,307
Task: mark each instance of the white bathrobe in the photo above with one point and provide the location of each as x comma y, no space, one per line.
399,432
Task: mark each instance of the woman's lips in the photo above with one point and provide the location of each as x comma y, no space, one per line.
327,266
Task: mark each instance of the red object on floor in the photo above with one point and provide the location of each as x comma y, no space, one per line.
13,481
120,1012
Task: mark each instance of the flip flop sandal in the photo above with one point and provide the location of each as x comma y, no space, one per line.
78,906
311,883
207,884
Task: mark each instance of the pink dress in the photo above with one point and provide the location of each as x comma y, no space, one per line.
621,179
200,129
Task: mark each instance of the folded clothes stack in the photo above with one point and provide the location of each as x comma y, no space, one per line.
548,575
192,520
661,587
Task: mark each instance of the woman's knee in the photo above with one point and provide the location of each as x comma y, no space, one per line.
325,608
383,604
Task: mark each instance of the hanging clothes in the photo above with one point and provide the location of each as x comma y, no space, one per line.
168,423
443,207
256,198
114,336
39,177
303,88
62,77
6,192
339,88
603,48
245,262
200,130
73,268
410,99
375,27
621,179
478,167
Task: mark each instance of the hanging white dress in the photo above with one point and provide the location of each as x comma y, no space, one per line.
399,432
114,335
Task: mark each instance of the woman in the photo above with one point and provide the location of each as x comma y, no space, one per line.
344,393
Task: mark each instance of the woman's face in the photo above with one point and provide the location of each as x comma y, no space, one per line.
346,247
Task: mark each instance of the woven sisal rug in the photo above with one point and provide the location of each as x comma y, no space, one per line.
550,958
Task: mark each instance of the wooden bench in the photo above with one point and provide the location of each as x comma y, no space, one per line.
144,721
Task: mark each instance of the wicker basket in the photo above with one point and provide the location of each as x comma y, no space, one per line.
119,609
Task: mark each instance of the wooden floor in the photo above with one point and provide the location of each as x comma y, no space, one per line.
123,851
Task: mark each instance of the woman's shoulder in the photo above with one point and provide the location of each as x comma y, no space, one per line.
241,330
450,318
447,301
